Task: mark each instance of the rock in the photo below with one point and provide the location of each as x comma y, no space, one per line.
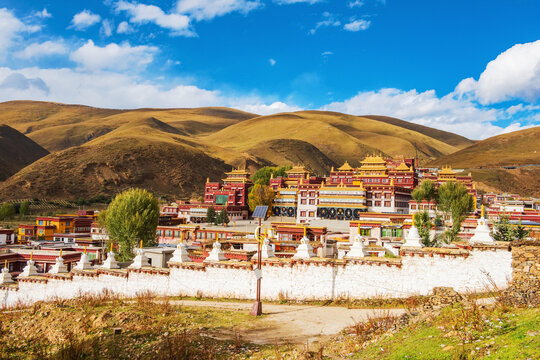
448,348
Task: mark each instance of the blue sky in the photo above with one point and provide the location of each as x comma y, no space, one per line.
471,67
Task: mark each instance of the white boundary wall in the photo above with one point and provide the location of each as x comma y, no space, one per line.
308,280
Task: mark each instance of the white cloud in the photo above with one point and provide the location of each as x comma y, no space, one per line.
327,53
141,14
287,2
10,30
124,28
209,9
328,20
106,28
117,90
357,25
43,14
84,20
356,3
113,56
264,109
38,50
448,112
15,82
514,74
272,62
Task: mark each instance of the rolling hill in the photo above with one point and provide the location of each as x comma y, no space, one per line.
515,148
172,151
17,151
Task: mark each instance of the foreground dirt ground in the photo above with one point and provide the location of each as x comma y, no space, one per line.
296,323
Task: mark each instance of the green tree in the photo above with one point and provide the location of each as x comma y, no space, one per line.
25,206
425,191
260,195
7,211
455,202
263,175
519,232
503,229
210,215
132,217
423,223
224,217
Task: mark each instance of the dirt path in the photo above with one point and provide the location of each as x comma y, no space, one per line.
295,323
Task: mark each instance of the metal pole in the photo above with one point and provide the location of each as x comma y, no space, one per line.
256,310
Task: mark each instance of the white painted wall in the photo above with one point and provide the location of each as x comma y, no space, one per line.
308,281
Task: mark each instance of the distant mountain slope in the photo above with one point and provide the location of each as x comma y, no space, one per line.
515,148
166,166
339,136
445,136
172,151
16,151
58,126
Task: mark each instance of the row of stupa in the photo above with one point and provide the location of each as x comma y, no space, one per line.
180,255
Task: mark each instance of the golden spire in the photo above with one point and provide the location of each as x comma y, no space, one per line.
207,180
111,246
85,249
305,231
31,255
60,253
482,210
141,244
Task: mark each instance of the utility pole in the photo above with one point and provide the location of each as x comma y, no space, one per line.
256,310
259,213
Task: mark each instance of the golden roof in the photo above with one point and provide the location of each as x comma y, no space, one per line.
403,167
373,159
297,169
237,172
345,167
446,170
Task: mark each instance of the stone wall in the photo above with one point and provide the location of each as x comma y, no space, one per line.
415,273
524,289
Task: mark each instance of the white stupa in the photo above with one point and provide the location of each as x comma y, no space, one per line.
357,248
140,260
413,239
482,233
5,276
30,269
110,263
304,250
180,255
216,254
266,250
84,262
59,267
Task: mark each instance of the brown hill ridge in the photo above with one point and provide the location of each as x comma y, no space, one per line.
16,151
172,151
515,148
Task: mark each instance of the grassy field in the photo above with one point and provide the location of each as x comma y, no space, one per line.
105,327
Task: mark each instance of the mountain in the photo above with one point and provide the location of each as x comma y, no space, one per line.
16,151
515,148
151,158
498,163
172,151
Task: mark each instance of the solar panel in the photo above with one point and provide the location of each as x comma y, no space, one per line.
260,212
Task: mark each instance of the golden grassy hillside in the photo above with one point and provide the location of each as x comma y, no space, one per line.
145,153
57,126
172,151
339,136
515,148
16,151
